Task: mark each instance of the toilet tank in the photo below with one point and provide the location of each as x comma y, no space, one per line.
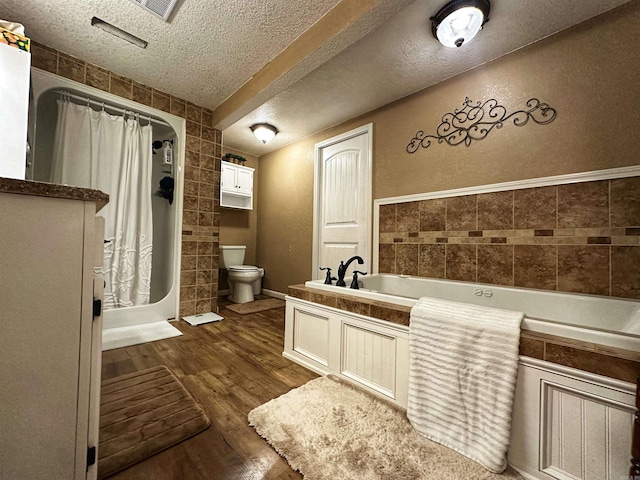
231,255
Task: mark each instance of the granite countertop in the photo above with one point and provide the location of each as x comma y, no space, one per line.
53,190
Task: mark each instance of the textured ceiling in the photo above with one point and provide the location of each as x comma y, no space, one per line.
206,52
215,48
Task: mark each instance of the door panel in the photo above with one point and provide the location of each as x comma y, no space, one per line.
342,201
340,180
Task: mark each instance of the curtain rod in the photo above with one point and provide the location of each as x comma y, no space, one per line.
111,107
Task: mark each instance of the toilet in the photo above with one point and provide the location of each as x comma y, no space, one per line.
244,281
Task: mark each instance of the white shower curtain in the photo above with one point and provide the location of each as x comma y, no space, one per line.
111,153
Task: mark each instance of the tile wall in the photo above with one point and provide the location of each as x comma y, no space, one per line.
201,212
580,237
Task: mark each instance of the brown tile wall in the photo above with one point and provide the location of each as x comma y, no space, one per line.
580,237
602,360
201,209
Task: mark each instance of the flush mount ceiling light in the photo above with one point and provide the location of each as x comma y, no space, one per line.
264,132
459,21
118,32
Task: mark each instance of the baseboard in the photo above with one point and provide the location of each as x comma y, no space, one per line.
273,293
223,293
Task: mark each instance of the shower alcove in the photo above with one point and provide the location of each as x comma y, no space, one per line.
125,325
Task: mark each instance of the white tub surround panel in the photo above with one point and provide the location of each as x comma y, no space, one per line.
354,347
567,423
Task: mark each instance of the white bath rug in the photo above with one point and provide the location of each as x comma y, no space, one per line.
133,335
201,318
329,429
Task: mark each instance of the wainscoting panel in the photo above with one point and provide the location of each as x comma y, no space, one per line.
569,424
577,426
311,336
369,357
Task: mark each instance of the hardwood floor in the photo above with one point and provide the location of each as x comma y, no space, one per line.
229,367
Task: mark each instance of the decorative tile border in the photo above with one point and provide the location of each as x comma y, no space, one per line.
566,236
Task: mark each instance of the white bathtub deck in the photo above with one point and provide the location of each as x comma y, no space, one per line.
609,321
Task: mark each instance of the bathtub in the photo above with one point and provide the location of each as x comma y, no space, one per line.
589,318
566,422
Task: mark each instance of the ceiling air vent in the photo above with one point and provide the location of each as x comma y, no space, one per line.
160,8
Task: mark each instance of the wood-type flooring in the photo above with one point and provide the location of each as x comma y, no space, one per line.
229,367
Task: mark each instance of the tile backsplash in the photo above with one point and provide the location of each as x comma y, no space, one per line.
578,237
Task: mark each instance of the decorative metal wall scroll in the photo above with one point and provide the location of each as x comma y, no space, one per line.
475,121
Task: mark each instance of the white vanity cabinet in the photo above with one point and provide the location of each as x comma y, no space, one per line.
50,331
236,186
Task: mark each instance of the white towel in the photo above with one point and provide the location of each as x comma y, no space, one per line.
462,375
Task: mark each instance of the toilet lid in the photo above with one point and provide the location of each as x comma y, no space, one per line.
243,268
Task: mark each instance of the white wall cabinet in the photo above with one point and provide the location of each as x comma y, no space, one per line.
236,186
50,340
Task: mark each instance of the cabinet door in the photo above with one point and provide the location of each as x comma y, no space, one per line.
40,344
245,181
228,178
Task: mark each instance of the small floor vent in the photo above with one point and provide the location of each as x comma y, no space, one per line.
160,8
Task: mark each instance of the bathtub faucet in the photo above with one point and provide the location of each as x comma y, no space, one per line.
328,279
342,269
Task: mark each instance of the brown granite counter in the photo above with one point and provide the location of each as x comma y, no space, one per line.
42,189
600,359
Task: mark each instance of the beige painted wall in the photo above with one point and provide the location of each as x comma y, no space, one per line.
589,74
238,227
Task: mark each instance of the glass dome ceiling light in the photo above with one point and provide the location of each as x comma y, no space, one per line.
459,21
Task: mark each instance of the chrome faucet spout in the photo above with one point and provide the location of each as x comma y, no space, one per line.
342,269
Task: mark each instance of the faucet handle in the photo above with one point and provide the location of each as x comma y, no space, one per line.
354,282
328,279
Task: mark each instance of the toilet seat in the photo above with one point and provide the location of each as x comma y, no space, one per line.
242,268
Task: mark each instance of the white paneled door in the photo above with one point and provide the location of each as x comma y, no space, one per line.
342,201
